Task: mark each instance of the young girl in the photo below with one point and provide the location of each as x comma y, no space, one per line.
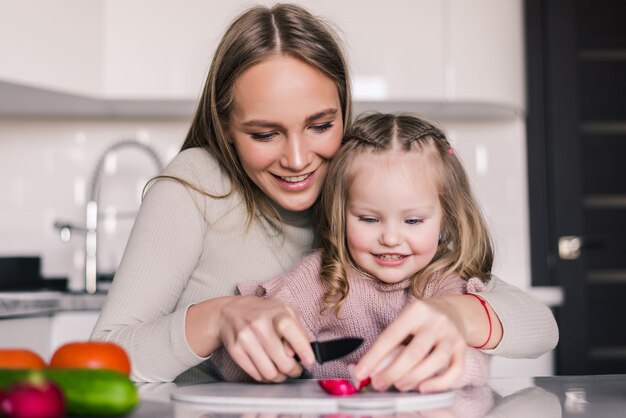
398,223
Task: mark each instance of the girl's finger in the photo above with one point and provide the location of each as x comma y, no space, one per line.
438,361
408,359
406,324
443,381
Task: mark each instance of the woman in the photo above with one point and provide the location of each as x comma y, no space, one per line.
236,204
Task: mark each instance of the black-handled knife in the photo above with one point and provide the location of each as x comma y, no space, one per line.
333,349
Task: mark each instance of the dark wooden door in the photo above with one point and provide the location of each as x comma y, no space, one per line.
576,62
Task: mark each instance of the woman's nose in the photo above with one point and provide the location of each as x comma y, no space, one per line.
295,154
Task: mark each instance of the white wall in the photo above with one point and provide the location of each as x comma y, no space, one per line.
45,170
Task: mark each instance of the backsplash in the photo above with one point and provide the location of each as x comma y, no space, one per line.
46,167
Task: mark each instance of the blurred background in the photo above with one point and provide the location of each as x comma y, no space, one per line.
96,95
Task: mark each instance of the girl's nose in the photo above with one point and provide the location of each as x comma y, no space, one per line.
389,237
295,154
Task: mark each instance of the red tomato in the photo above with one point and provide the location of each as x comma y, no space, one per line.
20,358
342,387
91,355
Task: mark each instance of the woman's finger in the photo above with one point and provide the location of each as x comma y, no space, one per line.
289,328
240,357
267,351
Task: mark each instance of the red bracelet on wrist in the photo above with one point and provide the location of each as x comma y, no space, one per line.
484,303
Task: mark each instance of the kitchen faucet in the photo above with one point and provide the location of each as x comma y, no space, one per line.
91,212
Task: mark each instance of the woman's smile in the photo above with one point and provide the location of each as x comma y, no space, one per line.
296,183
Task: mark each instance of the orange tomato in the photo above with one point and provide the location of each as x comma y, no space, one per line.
20,358
91,355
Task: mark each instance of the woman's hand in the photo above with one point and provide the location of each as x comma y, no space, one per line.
262,337
423,349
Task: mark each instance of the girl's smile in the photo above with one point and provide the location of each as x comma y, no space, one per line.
393,214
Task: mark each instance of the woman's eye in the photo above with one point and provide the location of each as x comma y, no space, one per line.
322,127
414,221
368,219
263,136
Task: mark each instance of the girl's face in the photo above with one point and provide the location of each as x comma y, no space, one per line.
393,215
286,123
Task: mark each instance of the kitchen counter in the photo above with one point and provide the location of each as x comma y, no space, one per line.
550,397
28,304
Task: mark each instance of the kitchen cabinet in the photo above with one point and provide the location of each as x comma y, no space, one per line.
147,57
71,326
51,45
32,333
45,333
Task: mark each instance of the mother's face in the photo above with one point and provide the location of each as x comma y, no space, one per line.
286,124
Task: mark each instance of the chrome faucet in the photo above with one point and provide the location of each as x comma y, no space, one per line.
91,212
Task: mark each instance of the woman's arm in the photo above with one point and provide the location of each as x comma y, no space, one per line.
260,335
141,312
528,325
439,329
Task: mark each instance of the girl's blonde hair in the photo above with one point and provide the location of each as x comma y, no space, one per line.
465,247
257,34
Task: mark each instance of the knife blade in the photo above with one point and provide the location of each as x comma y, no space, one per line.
333,349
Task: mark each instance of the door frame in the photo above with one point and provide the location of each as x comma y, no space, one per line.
554,180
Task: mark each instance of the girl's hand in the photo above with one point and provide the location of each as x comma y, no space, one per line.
423,349
262,337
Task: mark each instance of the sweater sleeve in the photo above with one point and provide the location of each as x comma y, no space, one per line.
529,327
141,312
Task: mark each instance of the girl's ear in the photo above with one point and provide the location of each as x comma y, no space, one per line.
443,235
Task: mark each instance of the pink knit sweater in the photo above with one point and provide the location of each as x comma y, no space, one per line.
368,309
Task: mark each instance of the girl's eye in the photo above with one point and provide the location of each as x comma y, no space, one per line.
368,219
414,221
322,127
263,136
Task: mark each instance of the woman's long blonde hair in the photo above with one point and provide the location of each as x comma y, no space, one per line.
257,34
465,245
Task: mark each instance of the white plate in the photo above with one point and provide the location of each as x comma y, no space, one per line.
303,395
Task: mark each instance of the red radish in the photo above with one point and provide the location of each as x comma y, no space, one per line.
40,399
342,387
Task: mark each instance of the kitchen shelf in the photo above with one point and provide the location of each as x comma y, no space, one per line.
18,100
23,101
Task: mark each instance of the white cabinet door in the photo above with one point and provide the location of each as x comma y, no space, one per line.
410,51
52,44
157,49
71,326
485,52
30,333
394,47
